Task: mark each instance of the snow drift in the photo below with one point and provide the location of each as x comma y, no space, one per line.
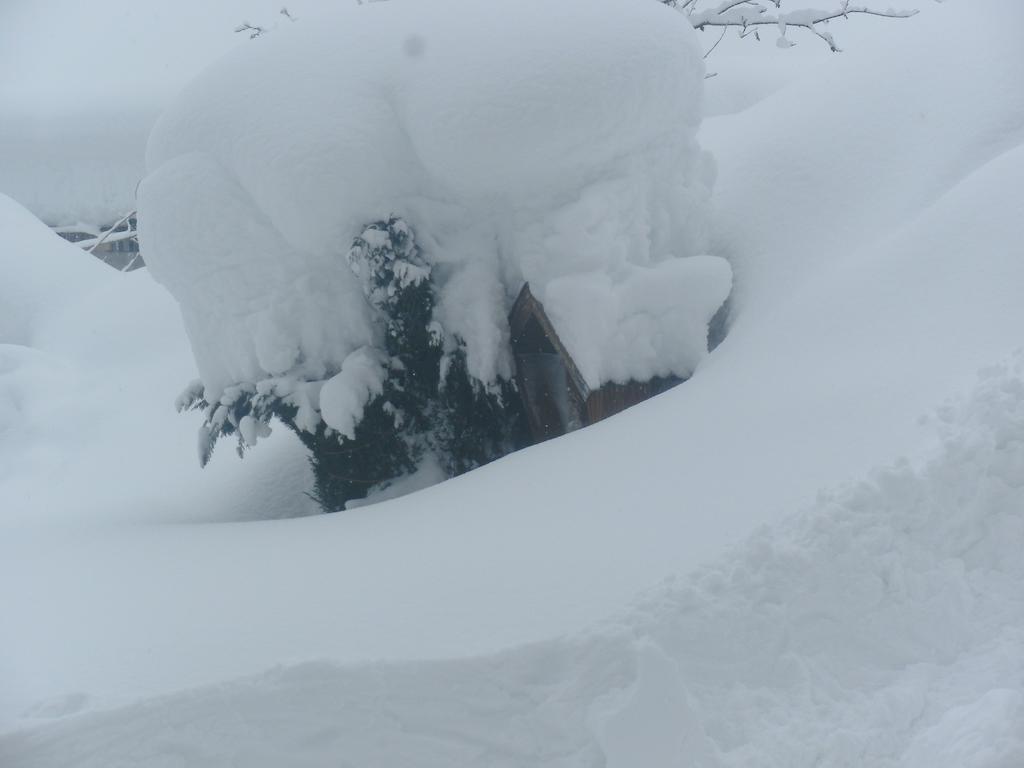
549,143
882,627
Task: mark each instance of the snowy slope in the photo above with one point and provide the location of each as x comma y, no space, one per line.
870,210
884,627
89,364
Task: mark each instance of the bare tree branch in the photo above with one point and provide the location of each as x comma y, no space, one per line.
115,233
720,38
747,15
254,31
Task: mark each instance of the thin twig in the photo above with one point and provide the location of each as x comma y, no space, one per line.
720,38
110,231
748,15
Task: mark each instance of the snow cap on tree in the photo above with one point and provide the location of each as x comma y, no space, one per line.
556,142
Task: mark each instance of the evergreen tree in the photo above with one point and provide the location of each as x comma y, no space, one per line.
429,403
474,423
460,420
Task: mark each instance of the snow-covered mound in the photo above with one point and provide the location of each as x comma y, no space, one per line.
549,143
883,627
84,353
41,272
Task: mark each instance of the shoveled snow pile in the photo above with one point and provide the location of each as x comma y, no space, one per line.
884,627
549,143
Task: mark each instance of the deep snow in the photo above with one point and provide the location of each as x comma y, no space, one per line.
884,627
870,209
89,367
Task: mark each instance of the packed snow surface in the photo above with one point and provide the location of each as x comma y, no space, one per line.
871,211
549,143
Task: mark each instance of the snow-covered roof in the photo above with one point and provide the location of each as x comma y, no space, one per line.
544,142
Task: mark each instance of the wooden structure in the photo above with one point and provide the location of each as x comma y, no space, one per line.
555,395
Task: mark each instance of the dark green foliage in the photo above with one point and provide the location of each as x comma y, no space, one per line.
473,424
229,414
429,402
347,469
442,409
396,281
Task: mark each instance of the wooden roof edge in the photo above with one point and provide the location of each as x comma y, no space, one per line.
526,304
525,296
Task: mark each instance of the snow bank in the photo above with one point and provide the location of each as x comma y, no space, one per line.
881,627
539,142
40,271
88,360
884,141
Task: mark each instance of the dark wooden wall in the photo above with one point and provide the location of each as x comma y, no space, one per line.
612,398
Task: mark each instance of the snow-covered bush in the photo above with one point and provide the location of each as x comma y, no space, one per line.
439,408
546,143
388,411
